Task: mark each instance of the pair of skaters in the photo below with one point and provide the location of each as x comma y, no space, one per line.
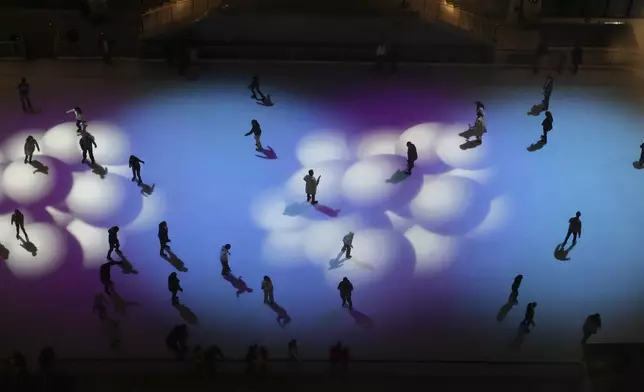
479,128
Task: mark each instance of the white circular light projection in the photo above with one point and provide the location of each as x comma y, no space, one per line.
379,143
93,198
93,242
449,150
442,199
113,145
366,182
284,248
498,215
329,189
433,252
271,211
61,142
424,137
374,256
42,255
321,147
151,212
24,184
14,147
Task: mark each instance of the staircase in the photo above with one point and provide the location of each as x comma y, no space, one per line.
175,13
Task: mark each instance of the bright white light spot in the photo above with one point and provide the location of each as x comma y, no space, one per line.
14,147
41,256
113,145
324,238
378,143
329,189
285,249
21,184
61,218
398,222
93,198
93,242
365,183
442,199
482,176
375,253
151,211
321,147
449,150
424,137
271,211
499,213
61,142
433,252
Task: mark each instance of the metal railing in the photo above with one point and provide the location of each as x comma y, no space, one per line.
171,13
440,10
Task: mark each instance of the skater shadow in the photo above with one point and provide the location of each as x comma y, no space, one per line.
186,314
522,331
362,320
268,153
397,177
238,284
536,110
125,265
468,145
39,167
283,319
326,210
29,246
337,262
296,209
175,261
120,305
507,307
637,165
536,146
98,170
561,254
266,101
4,252
147,190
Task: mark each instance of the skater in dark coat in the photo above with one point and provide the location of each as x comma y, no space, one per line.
135,165
174,286
346,288
164,239
412,157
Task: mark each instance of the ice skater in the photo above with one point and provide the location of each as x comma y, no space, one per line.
135,165
574,229
164,239
256,131
223,258
546,125
267,288
105,275
346,288
78,114
87,144
23,90
254,88
592,325
528,319
18,219
174,286
412,157
548,85
640,163
113,240
31,145
514,294
347,245
177,340
311,187
266,101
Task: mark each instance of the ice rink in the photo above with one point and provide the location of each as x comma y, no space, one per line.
435,254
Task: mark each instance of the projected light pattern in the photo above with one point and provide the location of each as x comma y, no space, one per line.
439,205
82,203
434,254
